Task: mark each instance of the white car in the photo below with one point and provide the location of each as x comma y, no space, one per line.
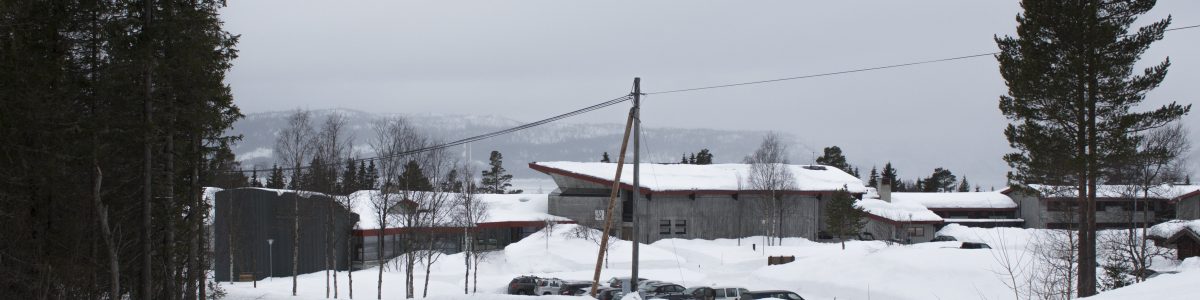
548,286
732,293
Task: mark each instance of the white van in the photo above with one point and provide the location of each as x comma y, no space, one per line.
732,293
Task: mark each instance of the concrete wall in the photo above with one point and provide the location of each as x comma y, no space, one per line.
707,216
245,218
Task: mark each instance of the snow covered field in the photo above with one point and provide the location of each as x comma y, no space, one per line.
864,270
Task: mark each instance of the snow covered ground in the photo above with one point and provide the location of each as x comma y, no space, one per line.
864,270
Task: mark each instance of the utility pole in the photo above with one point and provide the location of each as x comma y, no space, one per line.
637,189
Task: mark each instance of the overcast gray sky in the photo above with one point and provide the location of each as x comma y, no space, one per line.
527,60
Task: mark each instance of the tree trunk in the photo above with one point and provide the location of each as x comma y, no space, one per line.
295,231
172,285
382,262
349,268
110,246
195,268
466,256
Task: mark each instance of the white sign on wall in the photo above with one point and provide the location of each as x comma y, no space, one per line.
599,215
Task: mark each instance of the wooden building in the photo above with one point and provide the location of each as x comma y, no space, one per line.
1181,235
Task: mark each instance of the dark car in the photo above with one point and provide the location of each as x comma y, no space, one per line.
974,245
608,293
786,295
662,289
615,282
693,293
576,289
943,238
523,285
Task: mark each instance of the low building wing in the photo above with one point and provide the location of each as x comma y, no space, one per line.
686,177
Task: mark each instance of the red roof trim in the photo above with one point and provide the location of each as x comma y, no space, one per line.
647,191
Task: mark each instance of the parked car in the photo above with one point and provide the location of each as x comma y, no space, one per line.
609,293
523,285
732,293
646,284
974,245
615,282
548,286
943,238
576,288
693,293
780,294
662,289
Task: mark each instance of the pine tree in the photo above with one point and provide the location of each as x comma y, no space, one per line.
452,183
940,181
1073,96
413,179
349,183
604,158
843,218
371,176
692,159
496,180
254,179
873,178
833,157
683,160
889,175
704,157
964,186
276,181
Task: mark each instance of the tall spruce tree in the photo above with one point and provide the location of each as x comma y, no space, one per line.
1071,97
276,180
496,180
604,158
942,180
889,175
843,218
873,178
413,178
704,157
832,156
964,186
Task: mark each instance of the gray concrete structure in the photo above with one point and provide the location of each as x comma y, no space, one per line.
246,218
1050,207
689,214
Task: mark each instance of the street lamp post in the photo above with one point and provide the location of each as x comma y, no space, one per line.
271,258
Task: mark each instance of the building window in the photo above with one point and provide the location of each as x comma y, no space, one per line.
680,226
664,227
916,231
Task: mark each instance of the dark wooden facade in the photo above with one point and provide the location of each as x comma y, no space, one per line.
246,218
1186,243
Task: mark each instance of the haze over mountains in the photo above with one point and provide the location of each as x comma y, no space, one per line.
550,142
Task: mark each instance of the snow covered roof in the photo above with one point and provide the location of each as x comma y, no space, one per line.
957,200
1170,228
501,208
1165,191
716,177
898,211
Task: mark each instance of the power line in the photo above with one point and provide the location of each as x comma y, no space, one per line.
853,71
468,139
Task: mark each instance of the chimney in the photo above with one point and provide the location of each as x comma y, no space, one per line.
885,190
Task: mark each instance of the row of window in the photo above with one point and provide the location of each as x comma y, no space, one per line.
665,226
916,231
1109,206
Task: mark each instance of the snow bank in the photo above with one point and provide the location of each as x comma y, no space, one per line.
728,177
501,208
1181,286
1168,229
898,211
957,200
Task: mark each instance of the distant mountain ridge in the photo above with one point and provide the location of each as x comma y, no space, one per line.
550,142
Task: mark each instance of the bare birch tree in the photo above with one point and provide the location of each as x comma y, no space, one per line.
470,212
294,146
770,176
331,145
393,137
